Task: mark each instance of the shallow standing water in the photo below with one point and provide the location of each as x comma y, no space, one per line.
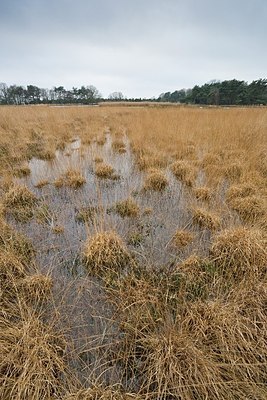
86,314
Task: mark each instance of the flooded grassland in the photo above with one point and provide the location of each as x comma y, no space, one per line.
133,253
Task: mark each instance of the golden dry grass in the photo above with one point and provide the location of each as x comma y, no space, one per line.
31,360
22,171
237,191
191,266
127,208
250,208
13,241
190,349
32,363
148,160
20,202
105,252
37,287
241,252
19,196
104,171
88,214
155,180
100,393
118,146
203,193
184,171
206,219
100,139
98,159
71,178
193,328
233,171
182,238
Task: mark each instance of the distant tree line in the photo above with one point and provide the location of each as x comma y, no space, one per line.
31,94
19,95
231,92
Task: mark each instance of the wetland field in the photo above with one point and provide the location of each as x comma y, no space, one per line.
133,253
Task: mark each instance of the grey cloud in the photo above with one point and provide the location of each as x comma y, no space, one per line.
139,47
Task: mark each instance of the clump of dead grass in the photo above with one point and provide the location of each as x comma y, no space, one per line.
158,347
72,178
178,348
19,196
127,208
36,288
100,139
176,365
11,268
214,175
203,193
147,211
140,298
118,146
191,266
47,155
98,159
182,238
39,148
211,159
240,191
234,344
22,171
233,171
61,144
206,219
32,360
184,171
20,202
44,215
88,214
155,180
240,252
250,208
147,160
15,242
105,252
104,171
135,238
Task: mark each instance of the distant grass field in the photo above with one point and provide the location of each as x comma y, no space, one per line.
133,253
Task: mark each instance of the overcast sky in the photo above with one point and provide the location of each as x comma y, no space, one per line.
138,47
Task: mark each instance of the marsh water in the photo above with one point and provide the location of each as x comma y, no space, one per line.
169,209
59,235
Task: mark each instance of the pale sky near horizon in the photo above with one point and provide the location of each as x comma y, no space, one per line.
139,47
